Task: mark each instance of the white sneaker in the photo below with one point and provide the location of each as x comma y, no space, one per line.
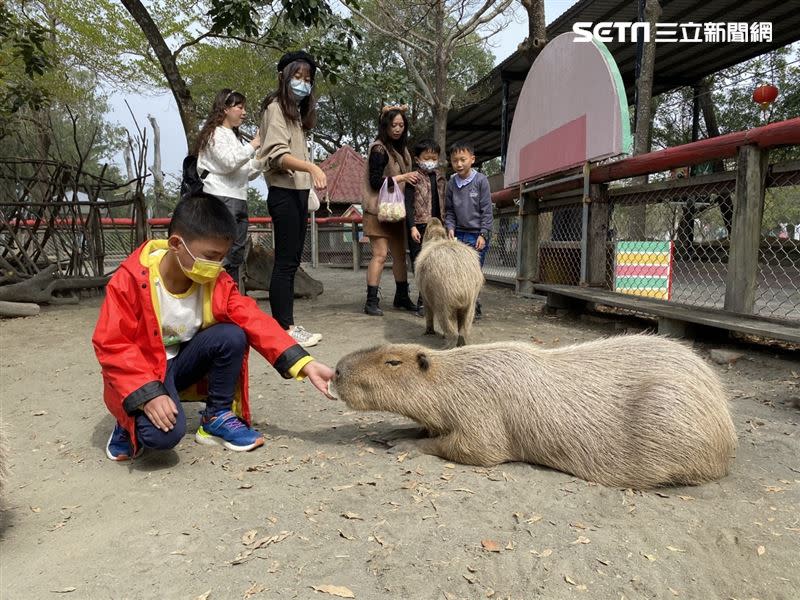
303,337
316,335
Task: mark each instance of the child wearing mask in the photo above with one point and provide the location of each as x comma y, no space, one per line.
424,200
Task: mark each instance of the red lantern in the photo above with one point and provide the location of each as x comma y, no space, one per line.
764,95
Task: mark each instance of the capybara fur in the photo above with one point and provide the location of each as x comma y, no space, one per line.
630,411
449,277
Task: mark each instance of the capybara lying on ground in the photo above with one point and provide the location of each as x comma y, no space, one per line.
449,277
630,411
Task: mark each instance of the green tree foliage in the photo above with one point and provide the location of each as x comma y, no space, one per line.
24,59
732,91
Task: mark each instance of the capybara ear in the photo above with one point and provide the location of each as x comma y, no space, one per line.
422,361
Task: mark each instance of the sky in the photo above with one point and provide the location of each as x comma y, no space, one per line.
163,107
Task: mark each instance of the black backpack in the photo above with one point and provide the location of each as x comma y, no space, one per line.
192,181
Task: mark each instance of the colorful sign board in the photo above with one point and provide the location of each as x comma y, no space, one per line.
644,269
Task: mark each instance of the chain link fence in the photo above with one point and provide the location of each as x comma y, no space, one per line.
670,240
501,259
694,223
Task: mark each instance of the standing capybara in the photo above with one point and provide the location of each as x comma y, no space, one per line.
449,277
631,411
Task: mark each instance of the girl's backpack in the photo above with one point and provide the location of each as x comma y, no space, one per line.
191,180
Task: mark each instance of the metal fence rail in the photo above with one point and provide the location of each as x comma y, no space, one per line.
693,217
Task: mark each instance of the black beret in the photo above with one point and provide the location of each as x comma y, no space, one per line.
291,57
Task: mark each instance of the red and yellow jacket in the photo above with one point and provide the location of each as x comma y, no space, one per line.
129,346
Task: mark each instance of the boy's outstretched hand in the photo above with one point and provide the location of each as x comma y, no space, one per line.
320,375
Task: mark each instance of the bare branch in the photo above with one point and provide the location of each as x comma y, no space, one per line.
480,17
395,35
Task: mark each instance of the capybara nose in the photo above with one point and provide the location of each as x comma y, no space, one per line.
338,373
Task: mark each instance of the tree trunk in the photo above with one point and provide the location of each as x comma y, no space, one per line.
644,115
712,129
166,59
158,174
537,27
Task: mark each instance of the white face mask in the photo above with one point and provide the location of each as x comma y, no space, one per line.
428,165
300,88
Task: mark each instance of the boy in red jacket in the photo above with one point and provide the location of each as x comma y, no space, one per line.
174,322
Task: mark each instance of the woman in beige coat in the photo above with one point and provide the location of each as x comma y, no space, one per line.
288,113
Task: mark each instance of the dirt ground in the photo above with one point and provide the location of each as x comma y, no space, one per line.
328,502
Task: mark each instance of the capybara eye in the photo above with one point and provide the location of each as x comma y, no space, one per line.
394,363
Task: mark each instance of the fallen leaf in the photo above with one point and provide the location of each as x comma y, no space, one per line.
41,413
649,557
65,590
265,541
245,486
576,525
402,457
353,516
674,549
204,596
686,497
36,509
662,495
510,545
761,550
774,488
339,488
470,579
569,580
674,592
582,540
334,590
490,545
178,553
472,569
254,589
543,554
344,535
249,537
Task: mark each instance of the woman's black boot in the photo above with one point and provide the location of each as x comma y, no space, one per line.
401,299
371,307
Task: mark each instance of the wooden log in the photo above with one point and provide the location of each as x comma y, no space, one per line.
597,247
528,244
18,309
748,210
41,287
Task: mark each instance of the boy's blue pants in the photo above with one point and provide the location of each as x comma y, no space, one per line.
216,352
470,239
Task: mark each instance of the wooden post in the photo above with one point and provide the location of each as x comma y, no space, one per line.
748,210
597,246
528,244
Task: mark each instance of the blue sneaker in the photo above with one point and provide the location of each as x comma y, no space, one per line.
226,429
119,446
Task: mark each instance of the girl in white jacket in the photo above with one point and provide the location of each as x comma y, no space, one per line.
226,164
